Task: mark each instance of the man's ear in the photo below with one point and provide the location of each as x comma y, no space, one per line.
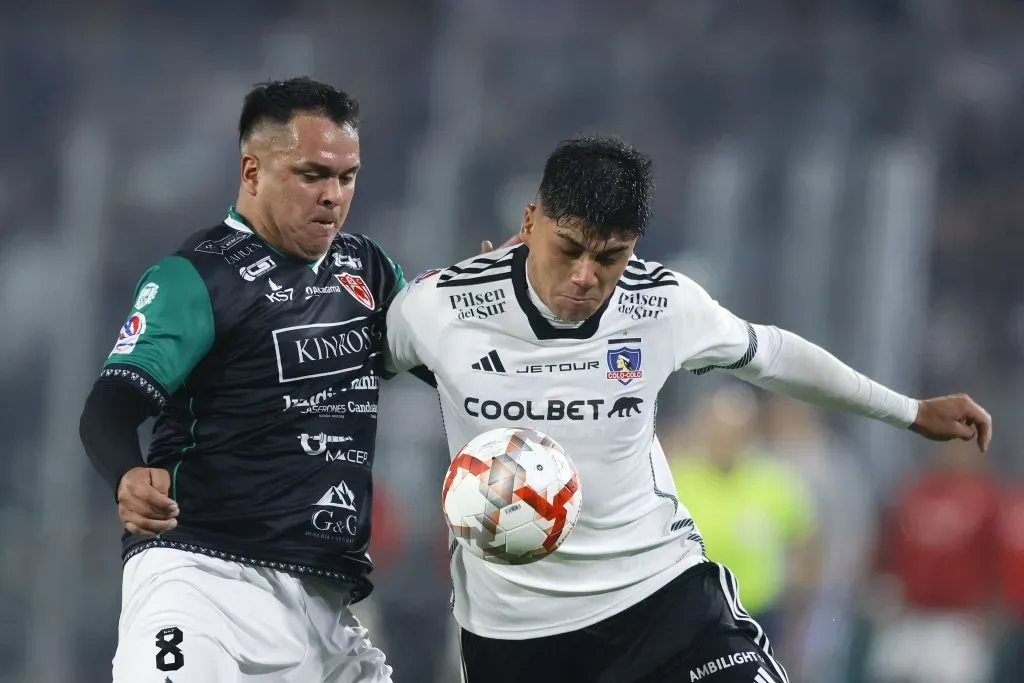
250,173
526,230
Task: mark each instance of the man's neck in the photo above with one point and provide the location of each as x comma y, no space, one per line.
251,218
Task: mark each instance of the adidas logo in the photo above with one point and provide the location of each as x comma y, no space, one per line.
489,363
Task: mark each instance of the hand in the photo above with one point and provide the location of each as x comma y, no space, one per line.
512,241
142,501
953,417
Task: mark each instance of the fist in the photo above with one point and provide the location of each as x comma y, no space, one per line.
143,503
953,417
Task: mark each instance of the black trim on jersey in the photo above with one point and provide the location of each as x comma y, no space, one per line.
747,357
637,277
538,323
140,379
480,270
361,586
423,374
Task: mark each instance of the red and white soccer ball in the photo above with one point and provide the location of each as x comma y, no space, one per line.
511,496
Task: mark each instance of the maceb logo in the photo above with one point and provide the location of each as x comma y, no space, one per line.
479,305
320,350
639,306
328,446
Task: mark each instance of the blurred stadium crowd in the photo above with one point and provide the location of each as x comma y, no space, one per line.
850,169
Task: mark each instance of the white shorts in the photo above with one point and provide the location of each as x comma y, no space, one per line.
189,618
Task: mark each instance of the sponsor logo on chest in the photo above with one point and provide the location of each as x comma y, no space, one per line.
479,305
640,306
321,350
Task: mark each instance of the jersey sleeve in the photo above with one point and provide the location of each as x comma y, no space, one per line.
396,277
411,319
705,334
169,330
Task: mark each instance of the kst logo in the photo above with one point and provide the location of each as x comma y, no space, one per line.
278,293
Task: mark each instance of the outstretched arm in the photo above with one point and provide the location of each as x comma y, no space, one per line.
789,364
707,337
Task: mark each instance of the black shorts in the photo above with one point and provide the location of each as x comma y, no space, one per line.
693,629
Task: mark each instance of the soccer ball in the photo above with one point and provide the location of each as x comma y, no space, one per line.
511,496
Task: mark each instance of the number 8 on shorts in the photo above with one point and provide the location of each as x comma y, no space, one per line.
169,656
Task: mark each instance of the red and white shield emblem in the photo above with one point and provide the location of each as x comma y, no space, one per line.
357,288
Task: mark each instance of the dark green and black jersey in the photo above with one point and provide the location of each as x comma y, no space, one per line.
265,370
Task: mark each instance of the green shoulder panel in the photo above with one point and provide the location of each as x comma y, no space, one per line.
395,268
171,324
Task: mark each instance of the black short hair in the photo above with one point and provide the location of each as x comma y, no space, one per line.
602,182
280,101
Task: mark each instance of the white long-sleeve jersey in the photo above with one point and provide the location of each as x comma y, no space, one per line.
499,361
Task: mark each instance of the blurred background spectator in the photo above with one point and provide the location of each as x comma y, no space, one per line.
850,169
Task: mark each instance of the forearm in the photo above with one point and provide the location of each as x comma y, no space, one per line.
109,428
788,364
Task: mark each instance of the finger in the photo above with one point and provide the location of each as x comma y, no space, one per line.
138,524
132,529
148,502
512,241
156,492
981,422
160,479
983,426
486,246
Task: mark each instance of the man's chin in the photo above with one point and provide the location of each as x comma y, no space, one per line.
315,249
575,313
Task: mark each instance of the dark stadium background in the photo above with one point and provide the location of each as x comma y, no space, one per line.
850,169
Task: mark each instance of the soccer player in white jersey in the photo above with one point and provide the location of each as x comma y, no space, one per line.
571,334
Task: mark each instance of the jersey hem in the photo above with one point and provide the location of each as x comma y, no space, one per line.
650,586
361,586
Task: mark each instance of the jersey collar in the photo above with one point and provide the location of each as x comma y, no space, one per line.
538,323
238,222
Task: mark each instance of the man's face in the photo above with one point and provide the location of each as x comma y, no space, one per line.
573,273
303,177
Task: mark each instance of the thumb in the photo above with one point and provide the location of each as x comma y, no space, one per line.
486,246
160,479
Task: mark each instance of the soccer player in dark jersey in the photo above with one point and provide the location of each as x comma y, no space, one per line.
573,335
256,346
